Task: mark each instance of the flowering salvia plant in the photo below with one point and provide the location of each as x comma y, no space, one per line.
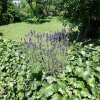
47,51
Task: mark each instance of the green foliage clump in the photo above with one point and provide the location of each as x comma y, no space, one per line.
84,13
11,63
27,9
80,79
11,12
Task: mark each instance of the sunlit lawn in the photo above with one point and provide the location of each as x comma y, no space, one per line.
15,31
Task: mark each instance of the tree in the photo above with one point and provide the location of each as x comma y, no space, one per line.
84,13
42,7
4,14
30,4
10,12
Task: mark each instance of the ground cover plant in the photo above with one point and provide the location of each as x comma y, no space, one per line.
29,71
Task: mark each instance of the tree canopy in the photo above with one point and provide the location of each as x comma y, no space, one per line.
84,13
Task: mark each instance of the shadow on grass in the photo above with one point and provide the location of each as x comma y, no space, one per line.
40,21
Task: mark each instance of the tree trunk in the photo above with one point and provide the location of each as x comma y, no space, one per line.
86,30
82,34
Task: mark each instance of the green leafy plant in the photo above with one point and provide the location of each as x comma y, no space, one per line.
80,79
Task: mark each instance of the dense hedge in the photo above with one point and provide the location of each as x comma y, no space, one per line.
80,80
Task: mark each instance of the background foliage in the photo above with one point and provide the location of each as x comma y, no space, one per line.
11,12
83,13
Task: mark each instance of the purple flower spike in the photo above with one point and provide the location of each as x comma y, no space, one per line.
40,36
30,40
31,33
43,34
40,45
62,50
47,35
60,36
25,40
66,42
56,35
50,36
54,45
64,30
47,39
28,46
34,44
37,36
51,42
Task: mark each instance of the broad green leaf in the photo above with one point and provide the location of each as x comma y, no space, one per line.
79,61
72,58
96,58
83,53
79,84
68,68
49,90
56,97
50,79
85,92
91,81
77,93
79,70
86,74
21,95
98,68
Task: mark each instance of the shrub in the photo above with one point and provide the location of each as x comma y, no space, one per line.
6,18
19,14
48,50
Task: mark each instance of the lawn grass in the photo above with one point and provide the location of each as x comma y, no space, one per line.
15,31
